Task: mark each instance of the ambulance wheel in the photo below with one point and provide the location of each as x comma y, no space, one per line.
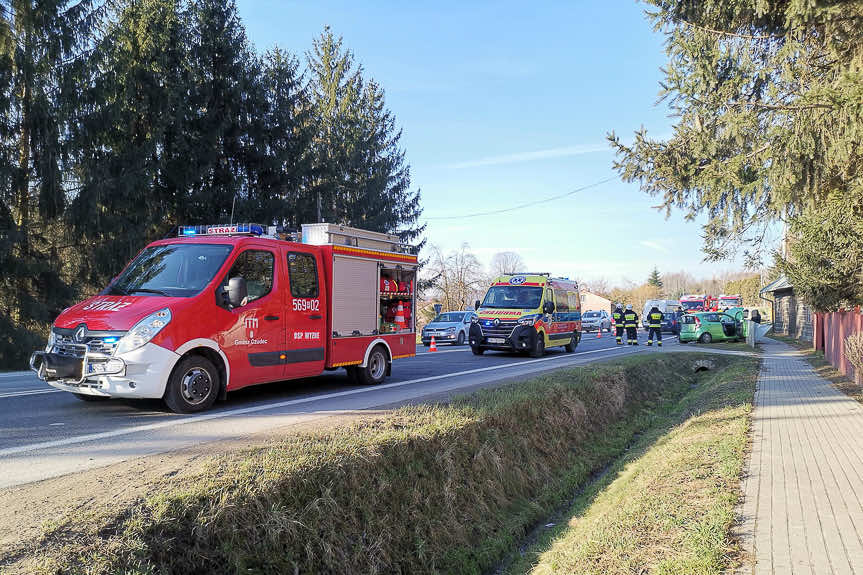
539,347
460,339
91,398
376,367
705,338
193,385
570,347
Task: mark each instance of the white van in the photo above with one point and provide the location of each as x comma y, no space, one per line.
664,305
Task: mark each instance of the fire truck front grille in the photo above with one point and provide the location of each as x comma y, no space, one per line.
504,329
66,345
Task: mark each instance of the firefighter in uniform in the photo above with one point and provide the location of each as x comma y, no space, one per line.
630,322
654,322
618,323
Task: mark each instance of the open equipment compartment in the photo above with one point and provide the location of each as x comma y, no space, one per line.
397,298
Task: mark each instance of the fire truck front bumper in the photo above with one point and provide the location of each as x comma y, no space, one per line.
140,373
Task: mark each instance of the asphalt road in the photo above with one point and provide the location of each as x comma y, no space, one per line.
47,433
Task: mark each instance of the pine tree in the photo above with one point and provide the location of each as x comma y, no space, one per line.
767,97
282,137
132,163
655,279
361,176
40,47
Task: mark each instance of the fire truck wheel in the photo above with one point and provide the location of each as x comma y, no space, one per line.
376,367
90,398
193,386
538,348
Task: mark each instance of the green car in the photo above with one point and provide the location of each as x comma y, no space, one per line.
708,326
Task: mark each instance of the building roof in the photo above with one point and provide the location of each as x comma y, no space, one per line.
779,284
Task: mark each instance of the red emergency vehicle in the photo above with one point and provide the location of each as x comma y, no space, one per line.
729,301
223,307
698,302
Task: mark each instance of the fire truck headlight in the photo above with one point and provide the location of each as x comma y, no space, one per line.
143,331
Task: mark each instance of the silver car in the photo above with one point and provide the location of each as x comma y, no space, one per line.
595,321
449,327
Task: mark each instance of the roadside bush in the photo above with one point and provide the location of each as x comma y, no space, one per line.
854,353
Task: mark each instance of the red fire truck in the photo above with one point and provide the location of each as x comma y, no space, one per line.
223,307
698,302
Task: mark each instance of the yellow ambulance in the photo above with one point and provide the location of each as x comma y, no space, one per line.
527,313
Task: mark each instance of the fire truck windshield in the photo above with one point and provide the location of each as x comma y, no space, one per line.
174,270
518,297
692,305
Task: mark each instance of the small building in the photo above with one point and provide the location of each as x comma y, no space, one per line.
593,302
791,316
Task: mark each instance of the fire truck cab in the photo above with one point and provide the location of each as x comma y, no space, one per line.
698,302
223,307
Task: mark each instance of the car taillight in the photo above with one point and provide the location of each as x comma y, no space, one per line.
697,323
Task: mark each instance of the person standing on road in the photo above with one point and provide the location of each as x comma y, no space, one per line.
630,322
654,323
617,315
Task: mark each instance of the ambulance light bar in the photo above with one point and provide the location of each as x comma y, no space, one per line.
223,230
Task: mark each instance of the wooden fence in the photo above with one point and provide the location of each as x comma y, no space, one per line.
831,329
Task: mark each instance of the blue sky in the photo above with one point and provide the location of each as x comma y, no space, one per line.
507,102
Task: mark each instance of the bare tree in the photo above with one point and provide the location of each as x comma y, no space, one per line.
503,263
458,277
597,286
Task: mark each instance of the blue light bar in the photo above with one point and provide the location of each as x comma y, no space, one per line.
222,230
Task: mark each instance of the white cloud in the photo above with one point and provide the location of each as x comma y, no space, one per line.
563,152
654,245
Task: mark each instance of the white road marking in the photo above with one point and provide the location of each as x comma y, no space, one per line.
29,392
15,374
270,406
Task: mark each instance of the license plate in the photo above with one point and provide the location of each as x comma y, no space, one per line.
496,340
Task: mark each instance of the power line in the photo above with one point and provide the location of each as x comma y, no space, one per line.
525,205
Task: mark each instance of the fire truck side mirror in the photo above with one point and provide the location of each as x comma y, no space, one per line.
236,291
476,305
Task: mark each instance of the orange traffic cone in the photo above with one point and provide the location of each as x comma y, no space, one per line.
599,332
400,317
433,346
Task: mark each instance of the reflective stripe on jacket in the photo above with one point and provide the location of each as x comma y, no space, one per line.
655,319
631,319
617,316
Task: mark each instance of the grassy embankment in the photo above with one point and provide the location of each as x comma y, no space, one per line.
431,488
667,506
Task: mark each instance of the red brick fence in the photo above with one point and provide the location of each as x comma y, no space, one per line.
831,329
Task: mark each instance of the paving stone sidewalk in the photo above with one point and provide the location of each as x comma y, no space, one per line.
803,492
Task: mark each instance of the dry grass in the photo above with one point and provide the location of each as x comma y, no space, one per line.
667,506
435,488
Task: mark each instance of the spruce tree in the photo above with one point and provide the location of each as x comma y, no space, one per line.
767,101
655,279
132,161
41,44
361,176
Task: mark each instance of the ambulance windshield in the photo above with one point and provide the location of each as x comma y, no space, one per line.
173,270
516,297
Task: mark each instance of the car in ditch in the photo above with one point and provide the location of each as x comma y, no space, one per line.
448,327
710,326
